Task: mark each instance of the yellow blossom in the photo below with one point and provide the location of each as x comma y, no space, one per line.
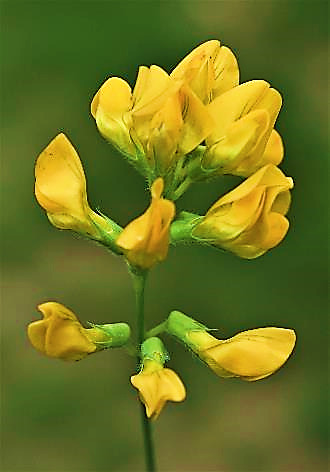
250,355
250,219
145,240
243,139
156,124
60,334
60,188
209,70
157,385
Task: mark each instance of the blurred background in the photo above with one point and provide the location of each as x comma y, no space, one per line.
84,417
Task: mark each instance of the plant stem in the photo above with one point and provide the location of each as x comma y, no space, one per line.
139,280
157,330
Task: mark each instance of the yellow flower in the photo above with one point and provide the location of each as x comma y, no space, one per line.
157,385
156,124
60,334
250,355
209,70
250,219
243,139
60,188
145,240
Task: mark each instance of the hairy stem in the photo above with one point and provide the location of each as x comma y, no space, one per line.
139,280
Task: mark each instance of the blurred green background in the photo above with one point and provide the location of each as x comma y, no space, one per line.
84,417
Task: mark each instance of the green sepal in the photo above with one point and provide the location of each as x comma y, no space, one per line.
117,334
108,238
180,325
154,349
181,230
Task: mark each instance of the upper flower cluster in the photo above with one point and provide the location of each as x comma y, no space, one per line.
193,123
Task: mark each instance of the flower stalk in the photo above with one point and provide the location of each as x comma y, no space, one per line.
139,277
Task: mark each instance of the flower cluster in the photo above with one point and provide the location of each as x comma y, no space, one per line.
192,125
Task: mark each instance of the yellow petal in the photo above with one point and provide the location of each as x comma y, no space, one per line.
148,93
114,98
226,72
50,309
254,354
267,233
60,181
158,387
234,104
229,221
242,140
165,131
281,203
268,176
271,101
274,150
66,340
111,109
37,334
207,49
60,176
197,121
209,70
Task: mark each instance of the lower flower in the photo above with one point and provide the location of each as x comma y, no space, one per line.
61,335
249,355
155,383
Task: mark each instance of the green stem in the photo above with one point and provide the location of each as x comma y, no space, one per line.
181,188
139,280
157,330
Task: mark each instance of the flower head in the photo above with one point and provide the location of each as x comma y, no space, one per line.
60,188
60,334
249,355
145,240
250,219
243,139
155,383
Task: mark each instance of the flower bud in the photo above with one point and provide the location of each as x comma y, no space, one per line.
249,355
60,188
61,335
145,240
155,383
250,219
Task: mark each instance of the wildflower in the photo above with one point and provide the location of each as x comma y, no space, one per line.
155,383
60,188
243,139
61,335
209,70
250,219
249,355
145,240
